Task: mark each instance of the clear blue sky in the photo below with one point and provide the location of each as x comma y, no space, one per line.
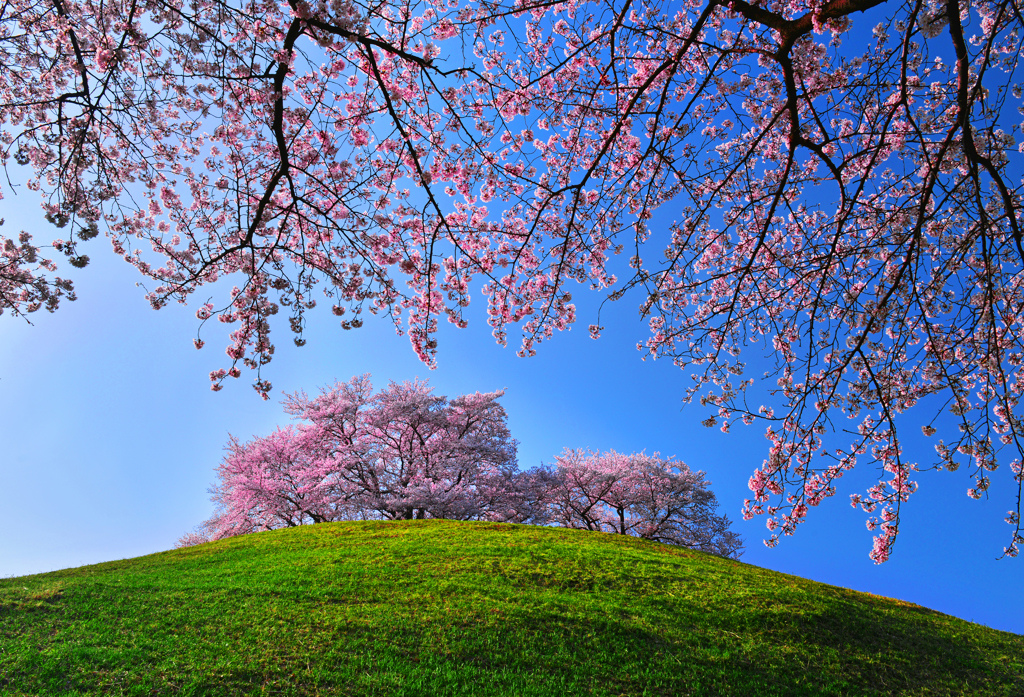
110,436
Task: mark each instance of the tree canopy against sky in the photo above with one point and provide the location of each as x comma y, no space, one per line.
652,497
400,454
407,453
842,181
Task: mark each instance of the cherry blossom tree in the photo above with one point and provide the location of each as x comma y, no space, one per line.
641,495
408,453
835,181
280,480
401,453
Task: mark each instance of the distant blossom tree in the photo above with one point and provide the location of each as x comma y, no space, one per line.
844,178
406,453
280,480
641,495
401,453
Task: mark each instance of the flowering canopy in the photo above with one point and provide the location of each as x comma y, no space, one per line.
641,495
281,480
406,453
398,454
851,199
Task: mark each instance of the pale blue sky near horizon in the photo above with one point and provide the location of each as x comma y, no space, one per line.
111,434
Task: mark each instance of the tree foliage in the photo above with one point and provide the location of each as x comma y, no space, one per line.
402,453
642,495
24,287
406,453
839,181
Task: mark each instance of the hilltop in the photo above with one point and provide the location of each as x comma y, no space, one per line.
437,607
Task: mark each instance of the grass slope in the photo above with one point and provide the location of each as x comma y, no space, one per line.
431,608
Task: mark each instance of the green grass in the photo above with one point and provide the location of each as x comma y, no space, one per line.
431,608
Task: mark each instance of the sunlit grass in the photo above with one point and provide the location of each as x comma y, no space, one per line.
430,608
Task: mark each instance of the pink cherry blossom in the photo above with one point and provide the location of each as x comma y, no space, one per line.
399,454
407,453
836,183
641,495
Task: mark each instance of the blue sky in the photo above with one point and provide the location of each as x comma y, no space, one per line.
111,435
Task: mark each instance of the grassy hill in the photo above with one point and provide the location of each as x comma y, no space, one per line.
431,608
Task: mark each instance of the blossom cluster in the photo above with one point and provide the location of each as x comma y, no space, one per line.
854,208
405,453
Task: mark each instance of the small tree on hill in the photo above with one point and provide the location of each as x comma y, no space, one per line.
275,481
280,480
399,454
406,452
642,495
